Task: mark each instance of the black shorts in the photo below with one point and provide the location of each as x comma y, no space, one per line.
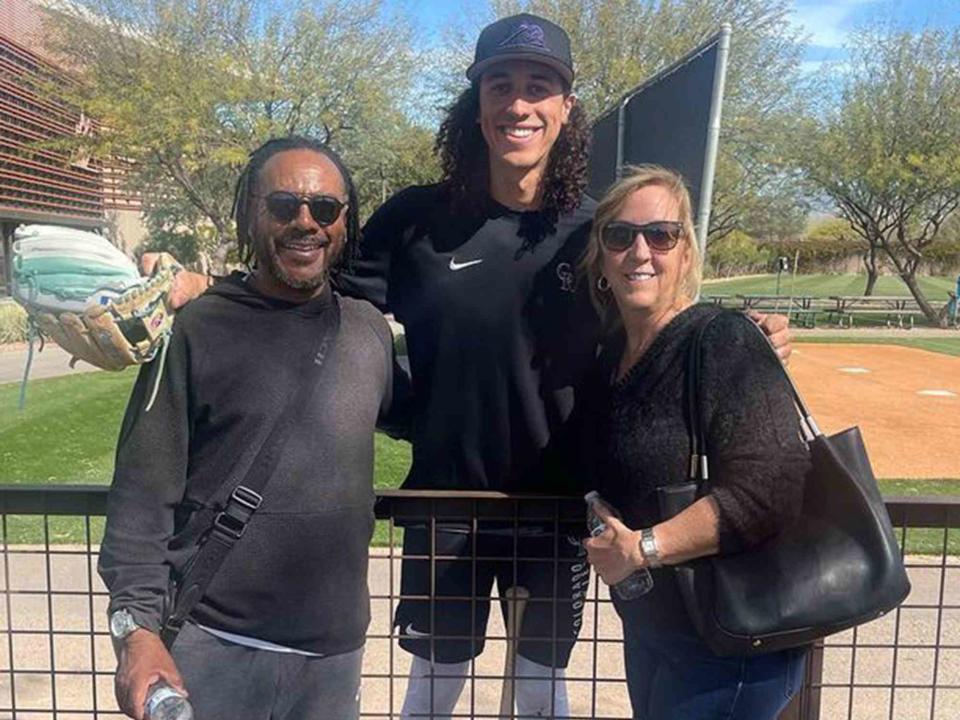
445,602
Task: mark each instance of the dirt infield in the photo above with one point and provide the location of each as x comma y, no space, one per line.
906,402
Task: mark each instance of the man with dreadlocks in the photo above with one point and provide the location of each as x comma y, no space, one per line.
270,377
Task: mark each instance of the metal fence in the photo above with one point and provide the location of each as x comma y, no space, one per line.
56,660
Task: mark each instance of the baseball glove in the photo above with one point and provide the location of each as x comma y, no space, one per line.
87,296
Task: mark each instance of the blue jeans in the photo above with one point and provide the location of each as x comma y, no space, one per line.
674,676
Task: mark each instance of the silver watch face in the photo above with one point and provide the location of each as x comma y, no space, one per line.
122,624
648,546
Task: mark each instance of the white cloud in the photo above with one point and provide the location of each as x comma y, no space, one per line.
823,20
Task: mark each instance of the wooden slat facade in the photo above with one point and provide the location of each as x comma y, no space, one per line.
39,183
42,185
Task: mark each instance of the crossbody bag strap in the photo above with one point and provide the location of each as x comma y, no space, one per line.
699,471
230,523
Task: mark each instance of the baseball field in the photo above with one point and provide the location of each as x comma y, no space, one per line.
905,400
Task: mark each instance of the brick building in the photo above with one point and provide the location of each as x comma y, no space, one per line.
39,185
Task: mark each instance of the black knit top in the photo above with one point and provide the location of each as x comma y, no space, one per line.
637,436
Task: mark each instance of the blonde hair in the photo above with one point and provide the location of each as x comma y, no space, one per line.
634,178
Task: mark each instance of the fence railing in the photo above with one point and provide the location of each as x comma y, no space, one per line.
56,659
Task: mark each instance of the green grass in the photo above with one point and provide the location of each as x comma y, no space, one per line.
944,345
67,433
822,286
922,541
942,486
392,460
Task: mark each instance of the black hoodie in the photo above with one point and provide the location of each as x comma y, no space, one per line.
298,576
500,334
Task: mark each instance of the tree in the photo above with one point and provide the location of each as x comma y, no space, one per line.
888,153
185,89
840,233
618,44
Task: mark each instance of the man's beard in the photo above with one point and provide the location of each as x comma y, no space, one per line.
267,257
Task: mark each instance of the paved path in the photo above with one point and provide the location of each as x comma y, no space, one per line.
52,362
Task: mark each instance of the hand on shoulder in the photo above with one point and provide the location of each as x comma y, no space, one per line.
187,285
777,328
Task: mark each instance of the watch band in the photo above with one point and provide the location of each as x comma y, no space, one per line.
648,546
122,624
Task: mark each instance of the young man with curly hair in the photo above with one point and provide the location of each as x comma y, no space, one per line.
479,268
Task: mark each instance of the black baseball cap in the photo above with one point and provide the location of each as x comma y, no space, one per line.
523,37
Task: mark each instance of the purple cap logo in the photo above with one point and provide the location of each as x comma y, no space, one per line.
526,34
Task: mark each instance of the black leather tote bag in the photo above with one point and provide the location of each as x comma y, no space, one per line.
838,565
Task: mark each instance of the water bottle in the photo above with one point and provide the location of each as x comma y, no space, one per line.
640,582
166,703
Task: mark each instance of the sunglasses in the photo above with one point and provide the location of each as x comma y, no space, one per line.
660,236
285,206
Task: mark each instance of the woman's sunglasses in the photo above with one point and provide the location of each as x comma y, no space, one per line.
285,206
661,236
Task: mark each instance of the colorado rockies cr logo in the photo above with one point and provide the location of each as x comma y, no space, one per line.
565,273
525,34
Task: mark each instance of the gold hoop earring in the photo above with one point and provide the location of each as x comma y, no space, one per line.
603,284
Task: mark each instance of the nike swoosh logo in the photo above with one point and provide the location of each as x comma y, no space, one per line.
414,633
454,265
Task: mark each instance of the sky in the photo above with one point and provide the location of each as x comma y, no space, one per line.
828,23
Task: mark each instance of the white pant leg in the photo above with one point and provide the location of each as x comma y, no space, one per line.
443,682
541,691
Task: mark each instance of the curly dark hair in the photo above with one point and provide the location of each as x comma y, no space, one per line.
246,189
465,164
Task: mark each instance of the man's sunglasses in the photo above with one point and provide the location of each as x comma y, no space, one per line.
661,236
285,206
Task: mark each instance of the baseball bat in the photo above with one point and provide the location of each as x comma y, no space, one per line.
516,597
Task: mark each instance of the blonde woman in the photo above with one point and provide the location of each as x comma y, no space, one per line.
643,268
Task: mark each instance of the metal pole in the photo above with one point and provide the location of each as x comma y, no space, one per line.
6,256
713,139
621,134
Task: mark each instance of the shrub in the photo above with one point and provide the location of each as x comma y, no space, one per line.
184,246
831,228
943,257
13,323
823,254
737,254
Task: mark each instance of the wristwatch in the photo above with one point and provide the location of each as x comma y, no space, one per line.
648,546
122,624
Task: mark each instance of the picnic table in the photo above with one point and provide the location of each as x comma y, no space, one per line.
759,301
718,300
798,307
846,307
